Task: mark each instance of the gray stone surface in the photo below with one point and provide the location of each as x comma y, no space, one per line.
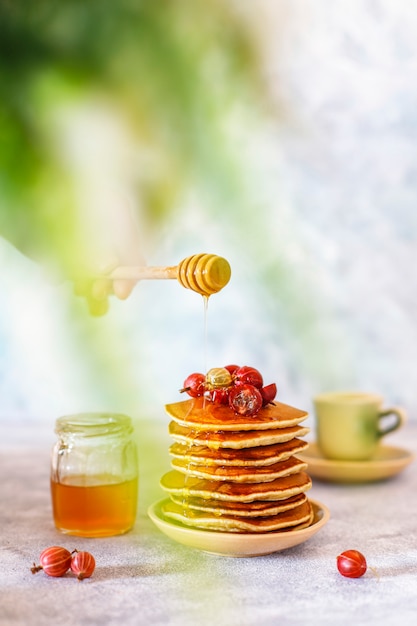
144,578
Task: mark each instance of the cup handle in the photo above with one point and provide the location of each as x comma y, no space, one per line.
401,418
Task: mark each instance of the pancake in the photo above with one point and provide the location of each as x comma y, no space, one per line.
179,484
256,509
260,455
241,474
202,414
299,516
234,473
234,439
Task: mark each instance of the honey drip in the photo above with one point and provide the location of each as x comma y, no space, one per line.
186,510
205,302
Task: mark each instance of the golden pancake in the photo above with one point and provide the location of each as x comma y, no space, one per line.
241,474
235,439
179,484
260,455
202,414
235,473
253,509
298,516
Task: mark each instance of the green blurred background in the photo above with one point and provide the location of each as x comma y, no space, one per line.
166,75
156,95
238,128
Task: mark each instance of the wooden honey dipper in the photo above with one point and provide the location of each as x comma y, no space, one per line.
204,273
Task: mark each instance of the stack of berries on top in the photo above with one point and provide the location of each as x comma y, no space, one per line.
242,388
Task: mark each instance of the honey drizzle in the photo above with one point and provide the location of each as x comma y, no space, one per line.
205,340
186,510
205,335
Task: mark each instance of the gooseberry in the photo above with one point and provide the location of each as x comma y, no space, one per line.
268,393
240,387
83,564
54,561
218,377
245,399
219,396
351,564
194,385
248,375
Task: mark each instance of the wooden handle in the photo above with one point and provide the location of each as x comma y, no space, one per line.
132,272
204,273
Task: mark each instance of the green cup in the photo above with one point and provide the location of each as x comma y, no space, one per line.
350,425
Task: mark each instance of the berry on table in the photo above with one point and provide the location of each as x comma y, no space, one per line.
54,561
83,564
351,564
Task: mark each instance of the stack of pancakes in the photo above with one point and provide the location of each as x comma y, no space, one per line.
234,473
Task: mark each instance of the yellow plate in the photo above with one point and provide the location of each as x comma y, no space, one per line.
238,544
388,462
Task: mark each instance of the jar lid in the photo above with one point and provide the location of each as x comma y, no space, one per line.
94,424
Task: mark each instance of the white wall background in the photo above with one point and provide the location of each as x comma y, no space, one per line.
334,194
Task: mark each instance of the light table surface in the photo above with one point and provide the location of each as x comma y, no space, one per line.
143,577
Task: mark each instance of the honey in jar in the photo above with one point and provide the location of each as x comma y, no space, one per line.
94,475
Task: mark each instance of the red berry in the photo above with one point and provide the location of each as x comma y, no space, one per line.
219,396
245,399
268,393
351,564
248,375
194,385
54,561
83,564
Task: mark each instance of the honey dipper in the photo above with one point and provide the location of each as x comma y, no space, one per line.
204,273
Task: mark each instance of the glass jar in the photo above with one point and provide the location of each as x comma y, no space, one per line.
94,475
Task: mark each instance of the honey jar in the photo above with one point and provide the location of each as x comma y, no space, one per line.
94,475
